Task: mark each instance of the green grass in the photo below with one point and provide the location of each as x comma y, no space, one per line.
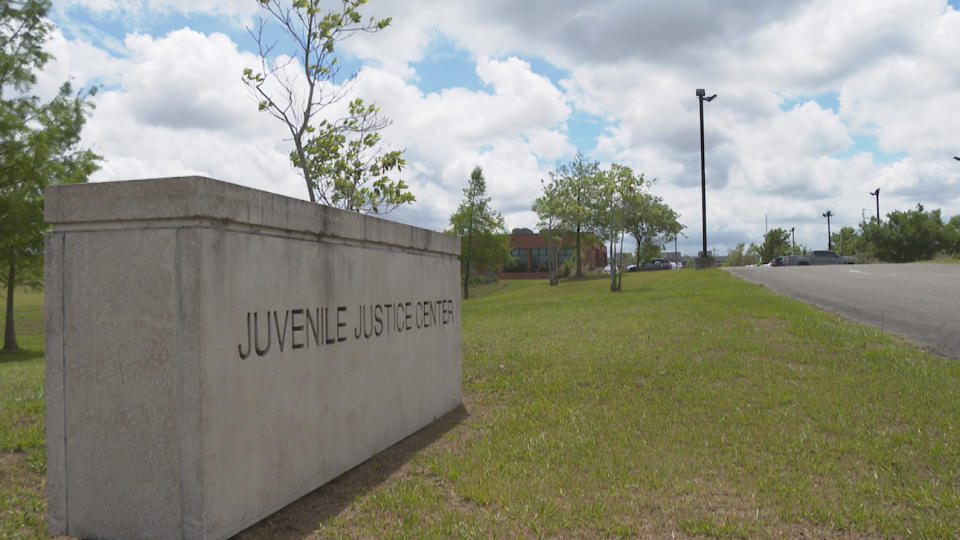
22,503
692,403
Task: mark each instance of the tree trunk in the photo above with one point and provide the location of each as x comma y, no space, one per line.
9,333
579,264
307,177
552,254
466,261
613,254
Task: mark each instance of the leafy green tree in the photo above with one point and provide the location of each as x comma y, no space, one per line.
951,240
776,242
618,188
650,221
341,160
39,146
548,208
483,240
907,236
737,257
577,185
846,242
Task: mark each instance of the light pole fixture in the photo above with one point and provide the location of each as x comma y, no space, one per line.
877,195
701,97
793,237
828,215
956,158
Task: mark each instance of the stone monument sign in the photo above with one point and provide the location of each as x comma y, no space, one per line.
214,352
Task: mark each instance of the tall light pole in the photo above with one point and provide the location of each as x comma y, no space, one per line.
793,237
877,195
703,172
828,215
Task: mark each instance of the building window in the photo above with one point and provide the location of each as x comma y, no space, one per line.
517,262
563,254
540,260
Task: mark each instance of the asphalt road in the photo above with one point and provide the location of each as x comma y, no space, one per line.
919,301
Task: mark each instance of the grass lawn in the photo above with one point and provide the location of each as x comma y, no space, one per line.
692,403
22,502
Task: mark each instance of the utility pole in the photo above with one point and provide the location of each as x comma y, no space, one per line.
703,173
828,215
877,195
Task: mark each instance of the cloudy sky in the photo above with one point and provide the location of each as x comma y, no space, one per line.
819,102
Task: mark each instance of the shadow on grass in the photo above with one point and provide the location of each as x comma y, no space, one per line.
307,514
20,356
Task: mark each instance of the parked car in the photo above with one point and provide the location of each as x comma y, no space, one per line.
632,268
656,264
815,257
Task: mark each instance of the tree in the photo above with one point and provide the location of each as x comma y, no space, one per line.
906,236
738,256
576,193
776,242
341,160
650,221
618,187
39,146
846,241
481,229
548,209
951,239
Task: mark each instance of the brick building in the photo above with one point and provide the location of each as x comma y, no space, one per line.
530,254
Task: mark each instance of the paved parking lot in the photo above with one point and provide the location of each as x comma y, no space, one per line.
920,301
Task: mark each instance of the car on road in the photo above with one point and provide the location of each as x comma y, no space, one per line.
815,257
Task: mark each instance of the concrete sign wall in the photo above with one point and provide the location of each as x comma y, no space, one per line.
214,352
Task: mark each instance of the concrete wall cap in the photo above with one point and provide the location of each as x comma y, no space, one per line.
206,199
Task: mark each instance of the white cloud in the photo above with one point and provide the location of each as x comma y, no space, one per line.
176,103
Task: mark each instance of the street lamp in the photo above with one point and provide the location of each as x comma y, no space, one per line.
956,158
703,172
793,237
877,195
828,215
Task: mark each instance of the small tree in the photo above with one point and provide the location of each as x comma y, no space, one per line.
619,187
846,241
483,240
38,147
577,184
548,208
342,161
649,220
776,242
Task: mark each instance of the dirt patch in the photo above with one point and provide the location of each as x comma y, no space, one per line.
768,323
10,460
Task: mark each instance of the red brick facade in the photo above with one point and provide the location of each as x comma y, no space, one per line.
531,255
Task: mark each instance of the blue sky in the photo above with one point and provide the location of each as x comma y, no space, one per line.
819,101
